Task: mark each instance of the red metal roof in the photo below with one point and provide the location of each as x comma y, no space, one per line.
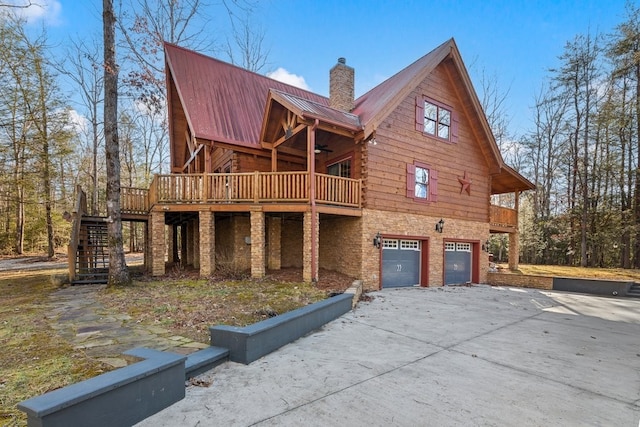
226,103
223,102
388,94
310,109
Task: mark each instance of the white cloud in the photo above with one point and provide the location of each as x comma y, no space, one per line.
78,122
46,10
284,76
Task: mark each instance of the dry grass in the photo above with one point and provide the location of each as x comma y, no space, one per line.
33,359
567,271
189,305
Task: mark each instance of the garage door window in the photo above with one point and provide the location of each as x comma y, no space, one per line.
409,245
389,244
463,247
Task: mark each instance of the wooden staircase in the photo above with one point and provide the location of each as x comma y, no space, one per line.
88,253
91,261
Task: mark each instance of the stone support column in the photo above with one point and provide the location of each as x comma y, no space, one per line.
257,242
514,250
274,233
157,243
308,273
207,243
147,246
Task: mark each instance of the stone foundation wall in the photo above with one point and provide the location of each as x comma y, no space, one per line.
232,251
519,280
417,226
291,247
341,244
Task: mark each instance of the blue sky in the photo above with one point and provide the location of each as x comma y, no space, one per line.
517,41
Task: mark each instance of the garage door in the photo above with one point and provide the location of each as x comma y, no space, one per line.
400,263
457,261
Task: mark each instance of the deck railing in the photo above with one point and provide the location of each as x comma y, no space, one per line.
134,200
503,217
252,187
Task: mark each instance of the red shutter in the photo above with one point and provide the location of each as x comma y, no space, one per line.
411,180
433,185
455,120
419,114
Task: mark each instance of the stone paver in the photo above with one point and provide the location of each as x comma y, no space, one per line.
77,316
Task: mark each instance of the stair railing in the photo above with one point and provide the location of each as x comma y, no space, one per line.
72,251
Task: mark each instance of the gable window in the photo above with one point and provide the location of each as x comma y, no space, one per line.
341,168
422,182
436,119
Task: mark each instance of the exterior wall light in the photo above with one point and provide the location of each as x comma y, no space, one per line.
377,240
440,225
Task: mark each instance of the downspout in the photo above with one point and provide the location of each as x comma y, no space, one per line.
312,197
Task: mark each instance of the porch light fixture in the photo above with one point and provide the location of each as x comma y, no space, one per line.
485,246
372,140
440,225
317,150
377,240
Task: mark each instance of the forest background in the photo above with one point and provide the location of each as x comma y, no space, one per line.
582,151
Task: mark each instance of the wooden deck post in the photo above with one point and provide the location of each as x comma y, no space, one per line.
207,243
172,235
183,245
157,243
194,244
257,242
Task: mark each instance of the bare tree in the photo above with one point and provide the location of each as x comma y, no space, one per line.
245,47
624,51
577,77
118,272
84,67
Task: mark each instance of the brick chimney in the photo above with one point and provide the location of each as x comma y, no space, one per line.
341,86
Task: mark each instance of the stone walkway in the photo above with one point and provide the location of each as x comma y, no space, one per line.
78,317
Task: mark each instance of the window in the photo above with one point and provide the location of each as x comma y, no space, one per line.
389,244
341,168
422,182
463,247
409,245
436,119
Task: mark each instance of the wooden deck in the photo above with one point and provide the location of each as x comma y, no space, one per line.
275,191
290,190
503,220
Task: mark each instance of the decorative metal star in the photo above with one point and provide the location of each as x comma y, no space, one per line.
465,183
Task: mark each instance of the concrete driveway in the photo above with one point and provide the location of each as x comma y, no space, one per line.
449,356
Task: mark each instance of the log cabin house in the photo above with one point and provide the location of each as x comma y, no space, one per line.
393,188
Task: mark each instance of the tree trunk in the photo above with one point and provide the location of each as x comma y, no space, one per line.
19,242
636,193
118,272
46,158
